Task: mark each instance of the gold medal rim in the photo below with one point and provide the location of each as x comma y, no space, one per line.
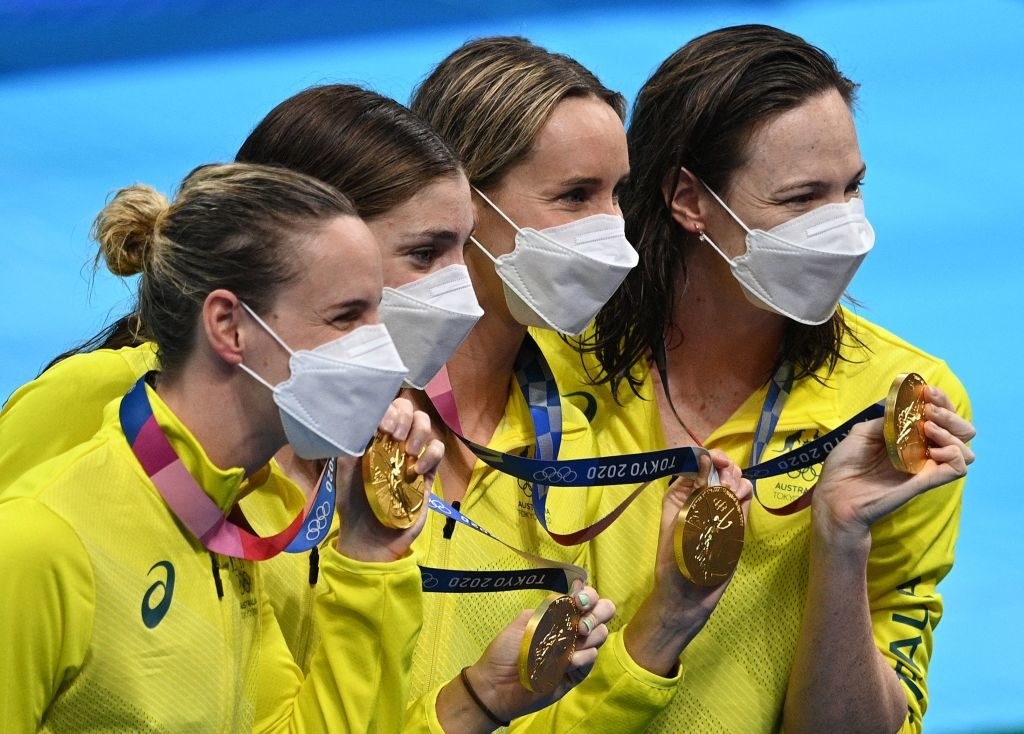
906,457
526,646
383,516
687,565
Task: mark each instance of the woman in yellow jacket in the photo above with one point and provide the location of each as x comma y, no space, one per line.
745,206
140,604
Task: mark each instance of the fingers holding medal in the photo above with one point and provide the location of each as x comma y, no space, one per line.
549,643
709,535
904,411
393,488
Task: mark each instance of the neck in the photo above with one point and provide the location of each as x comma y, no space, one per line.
719,347
231,435
480,371
304,472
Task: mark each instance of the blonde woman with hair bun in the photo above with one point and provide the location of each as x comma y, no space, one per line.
146,606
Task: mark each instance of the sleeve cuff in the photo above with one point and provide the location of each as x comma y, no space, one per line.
616,645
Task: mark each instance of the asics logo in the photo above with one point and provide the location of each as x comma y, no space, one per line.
157,599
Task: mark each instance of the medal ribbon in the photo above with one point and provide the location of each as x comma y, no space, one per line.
774,401
541,393
813,452
194,508
598,471
557,578
319,512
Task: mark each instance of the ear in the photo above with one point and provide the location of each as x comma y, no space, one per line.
685,202
222,315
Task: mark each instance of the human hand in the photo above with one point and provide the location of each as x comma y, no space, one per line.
859,485
675,591
676,609
495,676
362,536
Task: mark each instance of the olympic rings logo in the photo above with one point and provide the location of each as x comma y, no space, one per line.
549,474
435,504
320,520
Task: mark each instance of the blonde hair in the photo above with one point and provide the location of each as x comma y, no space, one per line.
232,226
490,98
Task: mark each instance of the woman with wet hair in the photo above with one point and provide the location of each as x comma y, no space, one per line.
745,205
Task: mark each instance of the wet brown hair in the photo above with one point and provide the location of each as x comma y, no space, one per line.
378,152
697,111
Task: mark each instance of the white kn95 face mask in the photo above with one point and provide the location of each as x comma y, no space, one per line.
337,393
429,318
560,277
802,267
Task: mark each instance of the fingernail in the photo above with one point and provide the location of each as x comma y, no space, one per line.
584,599
586,622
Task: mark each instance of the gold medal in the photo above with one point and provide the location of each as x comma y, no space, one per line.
394,489
548,643
904,410
709,536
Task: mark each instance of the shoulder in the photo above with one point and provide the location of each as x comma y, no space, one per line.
100,375
79,474
63,407
39,546
882,355
127,363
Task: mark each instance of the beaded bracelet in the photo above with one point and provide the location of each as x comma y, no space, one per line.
476,699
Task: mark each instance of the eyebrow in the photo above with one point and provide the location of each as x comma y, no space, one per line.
591,181
435,234
818,184
352,303
581,181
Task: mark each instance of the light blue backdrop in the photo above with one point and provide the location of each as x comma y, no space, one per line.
940,128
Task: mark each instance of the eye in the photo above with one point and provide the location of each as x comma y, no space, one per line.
424,256
345,318
577,195
800,199
856,188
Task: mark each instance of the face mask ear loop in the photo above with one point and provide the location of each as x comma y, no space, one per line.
476,242
253,375
719,200
276,338
270,331
705,238
503,214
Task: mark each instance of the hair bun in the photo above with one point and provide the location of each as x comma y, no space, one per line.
128,227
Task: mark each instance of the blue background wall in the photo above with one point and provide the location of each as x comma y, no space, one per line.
94,96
